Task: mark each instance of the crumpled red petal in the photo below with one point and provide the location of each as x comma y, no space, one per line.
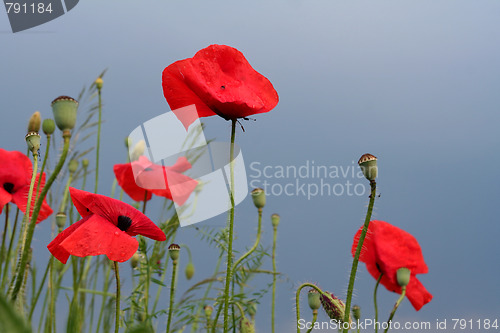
125,178
111,209
217,80
54,247
386,249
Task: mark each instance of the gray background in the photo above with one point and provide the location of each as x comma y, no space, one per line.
413,82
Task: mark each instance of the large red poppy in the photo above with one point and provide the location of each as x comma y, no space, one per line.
137,177
217,80
106,227
386,249
16,171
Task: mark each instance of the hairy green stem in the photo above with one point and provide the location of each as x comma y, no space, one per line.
297,296
5,229
172,295
256,243
375,300
400,299
230,233
273,300
37,295
354,268
315,317
9,250
117,317
98,140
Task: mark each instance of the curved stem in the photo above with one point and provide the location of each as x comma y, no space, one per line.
231,222
273,301
256,243
172,294
315,316
117,316
400,299
297,295
98,140
354,268
375,301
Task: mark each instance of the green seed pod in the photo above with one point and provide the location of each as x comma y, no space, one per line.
60,219
48,126
72,166
33,142
275,220
98,83
34,122
64,109
189,271
403,276
134,261
259,198
356,312
246,325
313,298
173,251
85,163
368,164
208,311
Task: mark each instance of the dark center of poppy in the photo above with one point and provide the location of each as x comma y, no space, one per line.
8,187
124,222
223,87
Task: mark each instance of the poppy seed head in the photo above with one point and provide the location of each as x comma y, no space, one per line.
124,222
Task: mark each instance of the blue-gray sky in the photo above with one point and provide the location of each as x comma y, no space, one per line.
413,82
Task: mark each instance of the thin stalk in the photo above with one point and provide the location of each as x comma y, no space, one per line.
164,273
172,295
117,317
256,243
375,301
105,289
145,201
98,140
273,300
400,299
9,250
36,211
231,223
2,251
37,296
354,268
28,206
44,163
315,317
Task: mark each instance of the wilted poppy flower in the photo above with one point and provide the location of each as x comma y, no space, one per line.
137,177
217,80
106,228
386,249
15,178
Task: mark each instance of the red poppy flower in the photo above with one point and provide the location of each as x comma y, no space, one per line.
15,178
137,177
386,249
106,227
217,80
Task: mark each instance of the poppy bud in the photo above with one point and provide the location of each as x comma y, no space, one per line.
189,270
208,311
173,251
356,312
64,109
98,83
134,261
275,220
128,142
60,219
334,308
33,141
259,198
85,163
368,164
34,122
48,126
403,276
138,150
72,166
313,299
246,325
252,309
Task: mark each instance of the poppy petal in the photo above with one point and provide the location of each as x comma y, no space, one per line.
125,178
111,210
217,80
98,236
20,198
54,247
417,294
